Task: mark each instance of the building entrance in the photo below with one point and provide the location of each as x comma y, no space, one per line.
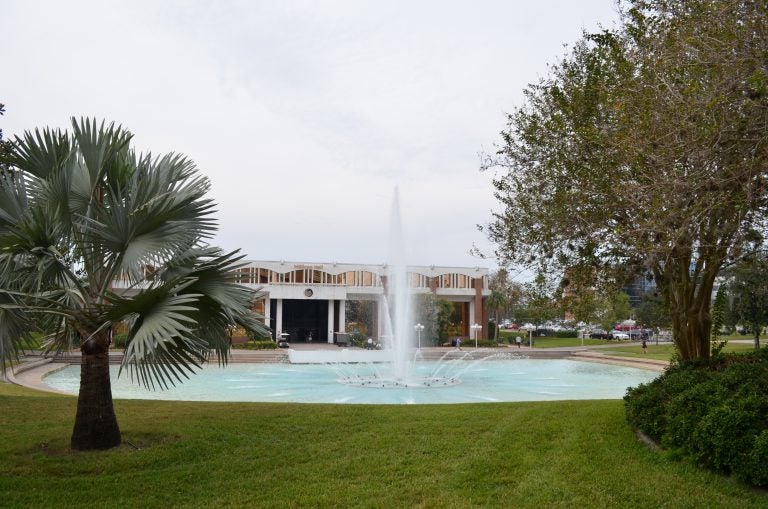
305,320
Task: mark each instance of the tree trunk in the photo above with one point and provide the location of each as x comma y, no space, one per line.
689,303
757,336
95,423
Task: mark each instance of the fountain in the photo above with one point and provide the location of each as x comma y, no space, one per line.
398,373
398,311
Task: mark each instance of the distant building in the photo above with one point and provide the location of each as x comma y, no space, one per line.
311,301
638,288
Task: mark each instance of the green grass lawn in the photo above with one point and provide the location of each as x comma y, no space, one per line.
666,350
548,342
546,454
551,342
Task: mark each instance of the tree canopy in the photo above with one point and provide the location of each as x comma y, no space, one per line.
644,151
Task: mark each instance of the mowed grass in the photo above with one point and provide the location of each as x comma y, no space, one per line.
546,454
667,350
550,342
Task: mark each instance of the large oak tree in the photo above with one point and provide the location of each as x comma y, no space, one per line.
645,149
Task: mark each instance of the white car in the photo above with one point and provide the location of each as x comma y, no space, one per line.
620,335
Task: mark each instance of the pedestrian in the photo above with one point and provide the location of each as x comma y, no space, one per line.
458,343
370,344
644,345
518,341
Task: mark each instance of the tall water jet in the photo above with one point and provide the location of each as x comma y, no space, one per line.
398,324
398,295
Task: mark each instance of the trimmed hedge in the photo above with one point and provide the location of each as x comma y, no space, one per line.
715,413
256,345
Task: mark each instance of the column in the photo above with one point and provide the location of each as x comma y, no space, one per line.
480,309
279,319
380,317
472,320
330,321
267,304
342,315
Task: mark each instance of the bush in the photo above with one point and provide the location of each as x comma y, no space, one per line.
756,466
645,409
712,412
118,340
567,334
358,339
481,343
256,345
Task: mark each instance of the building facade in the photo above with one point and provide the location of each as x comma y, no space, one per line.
307,301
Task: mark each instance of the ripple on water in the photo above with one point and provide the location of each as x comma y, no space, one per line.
496,381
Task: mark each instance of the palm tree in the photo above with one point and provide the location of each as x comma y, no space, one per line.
93,235
497,301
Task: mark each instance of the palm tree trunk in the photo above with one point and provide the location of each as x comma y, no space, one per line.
95,423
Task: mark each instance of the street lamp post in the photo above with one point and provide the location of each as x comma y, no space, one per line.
475,328
419,328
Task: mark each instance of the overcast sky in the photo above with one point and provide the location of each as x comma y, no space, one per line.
304,115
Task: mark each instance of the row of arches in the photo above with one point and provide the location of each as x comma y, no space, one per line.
356,278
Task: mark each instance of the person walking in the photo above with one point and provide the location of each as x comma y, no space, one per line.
518,341
458,343
644,344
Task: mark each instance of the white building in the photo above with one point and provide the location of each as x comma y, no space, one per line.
312,301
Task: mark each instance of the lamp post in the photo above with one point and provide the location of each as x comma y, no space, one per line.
418,327
475,328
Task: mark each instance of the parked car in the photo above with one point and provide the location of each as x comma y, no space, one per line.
619,335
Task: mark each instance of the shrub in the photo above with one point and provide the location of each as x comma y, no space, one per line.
118,340
712,412
256,345
724,438
358,339
567,334
481,343
645,408
755,468
257,336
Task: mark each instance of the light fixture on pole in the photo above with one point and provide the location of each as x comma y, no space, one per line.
475,328
418,327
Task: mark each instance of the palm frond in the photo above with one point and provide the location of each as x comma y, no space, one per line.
99,145
161,344
15,328
20,315
13,201
224,304
41,153
161,212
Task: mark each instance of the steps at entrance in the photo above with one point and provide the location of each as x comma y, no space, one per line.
258,356
236,356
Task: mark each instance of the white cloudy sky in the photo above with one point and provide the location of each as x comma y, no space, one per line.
304,115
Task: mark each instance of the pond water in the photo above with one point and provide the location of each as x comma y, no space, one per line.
490,381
